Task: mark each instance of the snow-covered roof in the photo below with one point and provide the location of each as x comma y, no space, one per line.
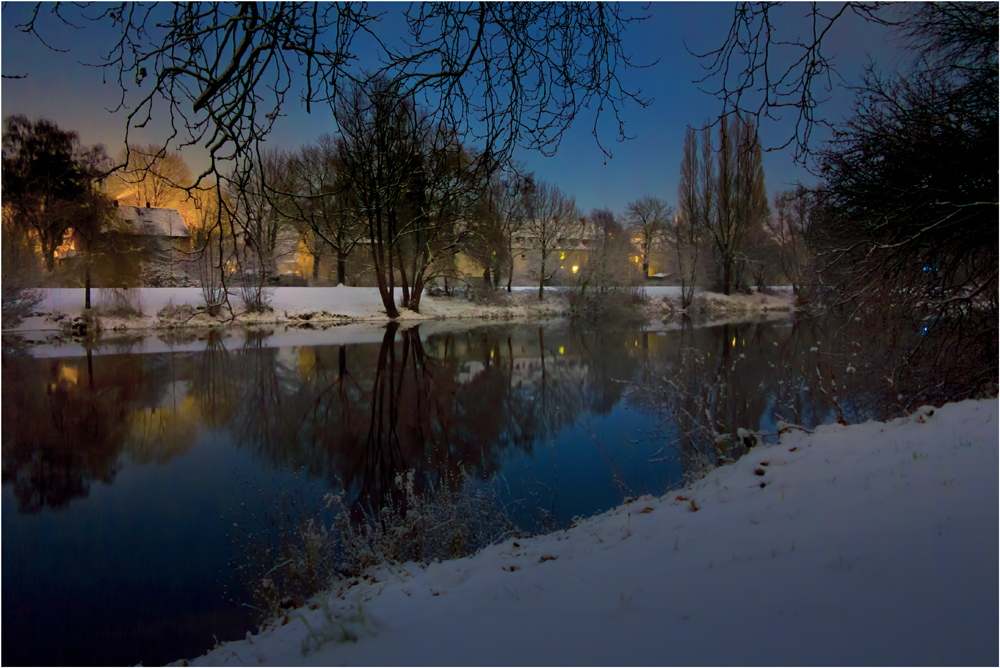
154,222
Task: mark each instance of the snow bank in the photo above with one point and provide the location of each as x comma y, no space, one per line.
344,304
289,305
666,301
869,544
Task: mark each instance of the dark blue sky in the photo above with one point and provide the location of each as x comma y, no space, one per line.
61,89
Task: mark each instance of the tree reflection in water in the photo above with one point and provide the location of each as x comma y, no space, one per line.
64,425
719,380
445,412
444,405
524,402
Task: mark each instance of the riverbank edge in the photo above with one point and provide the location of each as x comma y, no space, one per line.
888,460
178,308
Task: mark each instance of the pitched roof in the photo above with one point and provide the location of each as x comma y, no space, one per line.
154,222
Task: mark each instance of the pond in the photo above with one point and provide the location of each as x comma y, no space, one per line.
126,468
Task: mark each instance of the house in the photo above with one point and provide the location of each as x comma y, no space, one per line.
152,245
166,226
165,241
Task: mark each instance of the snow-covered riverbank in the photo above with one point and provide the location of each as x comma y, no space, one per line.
870,544
344,304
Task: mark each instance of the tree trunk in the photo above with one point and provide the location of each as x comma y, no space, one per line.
404,279
341,268
386,292
391,279
727,272
541,280
418,291
510,276
86,286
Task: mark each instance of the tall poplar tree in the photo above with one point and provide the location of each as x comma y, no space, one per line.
740,196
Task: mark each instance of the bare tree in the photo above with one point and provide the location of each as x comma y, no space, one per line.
487,243
695,197
648,219
254,192
761,73
510,212
498,218
20,268
550,217
151,176
740,198
446,185
608,263
497,75
318,205
376,157
790,226
909,224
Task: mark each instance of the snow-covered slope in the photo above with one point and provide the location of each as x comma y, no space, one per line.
868,544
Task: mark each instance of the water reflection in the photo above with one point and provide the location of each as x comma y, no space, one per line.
579,413
358,414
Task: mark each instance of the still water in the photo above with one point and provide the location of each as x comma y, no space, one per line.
123,470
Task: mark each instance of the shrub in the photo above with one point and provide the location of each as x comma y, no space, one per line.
17,303
293,553
18,275
615,304
486,296
213,296
175,312
254,296
120,302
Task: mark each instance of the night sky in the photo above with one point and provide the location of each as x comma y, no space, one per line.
58,87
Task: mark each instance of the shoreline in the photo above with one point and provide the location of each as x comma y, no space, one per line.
179,309
871,532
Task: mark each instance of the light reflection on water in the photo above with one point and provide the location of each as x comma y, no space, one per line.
120,471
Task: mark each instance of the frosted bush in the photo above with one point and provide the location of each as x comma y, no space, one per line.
120,302
294,555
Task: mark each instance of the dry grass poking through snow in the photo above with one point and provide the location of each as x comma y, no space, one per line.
292,551
714,305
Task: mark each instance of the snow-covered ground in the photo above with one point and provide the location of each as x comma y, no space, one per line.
870,544
340,304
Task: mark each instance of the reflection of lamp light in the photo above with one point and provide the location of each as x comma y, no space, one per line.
575,268
734,341
561,349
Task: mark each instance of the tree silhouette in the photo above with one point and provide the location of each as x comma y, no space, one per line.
740,198
151,176
495,75
648,221
550,218
911,197
46,176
